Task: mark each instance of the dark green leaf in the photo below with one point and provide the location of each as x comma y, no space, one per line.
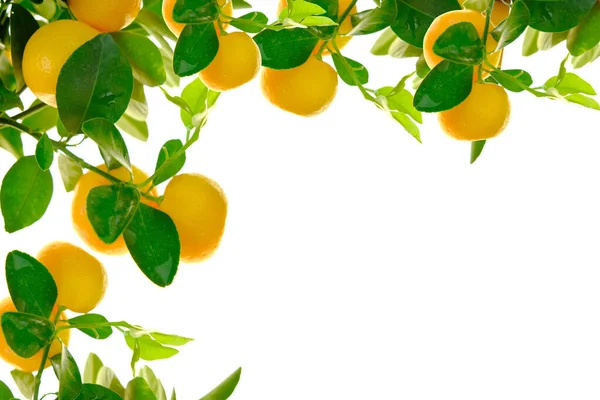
196,48
583,101
96,332
153,242
252,18
460,43
195,11
371,21
137,129
96,392
512,27
225,388
433,8
25,381
150,349
587,34
95,82
108,379
144,56
111,208
570,84
411,25
153,382
26,334
42,120
348,68
7,72
198,99
166,153
108,137
8,99
10,140
22,27
44,152
92,368
522,76
5,393
110,162
70,172
240,4
445,87
68,375
25,195
476,149
285,49
138,389
557,16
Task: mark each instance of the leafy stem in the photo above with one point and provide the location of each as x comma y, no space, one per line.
486,30
514,80
342,18
362,89
30,110
38,376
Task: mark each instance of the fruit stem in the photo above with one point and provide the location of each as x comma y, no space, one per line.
486,30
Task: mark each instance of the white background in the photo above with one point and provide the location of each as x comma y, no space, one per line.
360,264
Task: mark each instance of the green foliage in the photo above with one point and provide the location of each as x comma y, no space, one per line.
68,375
44,153
26,334
196,48
25,381
349,70
374,20
111,208
225,389
169,151
557,16
195,11
98,328
514,26
22,25
461,44
285,49
445,87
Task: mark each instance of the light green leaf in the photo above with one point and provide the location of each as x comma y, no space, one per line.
25,382
225,388
92,368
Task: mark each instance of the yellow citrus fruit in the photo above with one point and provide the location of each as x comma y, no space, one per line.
82,225
198,207
80,277
345,27
500,12
176,27
106,15
444,21
237,62
483,115
47,51
29,364
306,90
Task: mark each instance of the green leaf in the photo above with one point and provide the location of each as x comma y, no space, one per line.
411,25
225,388
253,18
92,368
96,392
31,286
170,340
285,49
44,152
476,149
26,334
557,16
300,10
199,100
166,153
136,129
512,27
138,389
8,99
196,48
195,11
153,242
433,8
7,73
10,140
460,43
530,46
408,124
350,68
173,395
25,382
401,101
586,58
570,84
370,21
522,76
144,56
383,43
240,4
138,105
70,172
108,137
25,195
547,40
95,82
153,382
111,209
96,332
318,21
150,349
5,392
476,5
445,87
583,100
587,34
22,27
110,162
108,379
42,120
68,375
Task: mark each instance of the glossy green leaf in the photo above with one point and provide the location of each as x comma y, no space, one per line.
433,8
144,57
240,4
195,11
111,209
22,26
557,16
522,76
10,140
92,368
225,388
108,379
476,149
370,21
136,129
42,120
96,392
26,334
95,322
583,100
138,389
70,172
247,22
349,70
285,49
570,84
44,152
110,162
199,100
300,10
95,82
25,382
8,99
460,43
153,382
5,392
196,48
445,87
411,24
153,242
25,194
68,375
383,43
150,349
587,34
167,152
512,27
108,137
